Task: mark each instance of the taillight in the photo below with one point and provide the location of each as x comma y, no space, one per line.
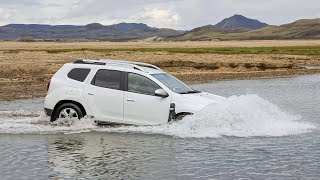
48,85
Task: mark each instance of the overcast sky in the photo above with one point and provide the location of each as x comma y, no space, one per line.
178,14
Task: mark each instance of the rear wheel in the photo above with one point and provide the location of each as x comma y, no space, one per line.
67,111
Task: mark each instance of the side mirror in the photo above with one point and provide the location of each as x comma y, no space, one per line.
161,93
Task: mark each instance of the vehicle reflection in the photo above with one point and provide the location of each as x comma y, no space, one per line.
110,155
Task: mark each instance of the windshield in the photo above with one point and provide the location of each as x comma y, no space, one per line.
173,84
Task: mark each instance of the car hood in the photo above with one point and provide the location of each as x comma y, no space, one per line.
197,101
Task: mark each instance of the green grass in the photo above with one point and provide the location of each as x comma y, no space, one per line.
296,50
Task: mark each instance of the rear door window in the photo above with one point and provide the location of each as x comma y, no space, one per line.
108,79
78,74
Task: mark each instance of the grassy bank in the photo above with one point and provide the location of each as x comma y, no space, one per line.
289,50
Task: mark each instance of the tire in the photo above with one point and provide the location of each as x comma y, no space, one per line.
178,117
181,116
68,108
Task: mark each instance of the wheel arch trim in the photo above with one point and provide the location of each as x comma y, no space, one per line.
83,109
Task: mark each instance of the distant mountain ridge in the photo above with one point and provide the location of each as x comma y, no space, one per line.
236,27
40,26
301,29
93,31
239,22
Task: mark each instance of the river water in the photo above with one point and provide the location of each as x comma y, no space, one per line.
268,128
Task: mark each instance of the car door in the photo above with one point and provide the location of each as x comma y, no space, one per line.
141,106
104,95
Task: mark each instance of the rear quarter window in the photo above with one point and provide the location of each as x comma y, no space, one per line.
78,74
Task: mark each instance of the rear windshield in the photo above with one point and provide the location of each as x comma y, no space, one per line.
78,74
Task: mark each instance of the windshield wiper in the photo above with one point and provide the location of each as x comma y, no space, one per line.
190,92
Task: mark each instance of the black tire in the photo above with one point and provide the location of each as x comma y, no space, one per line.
57,112
178,117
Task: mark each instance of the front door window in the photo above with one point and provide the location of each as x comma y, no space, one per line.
142,85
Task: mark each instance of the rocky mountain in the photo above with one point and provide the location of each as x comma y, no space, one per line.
239,22
94,31
301,29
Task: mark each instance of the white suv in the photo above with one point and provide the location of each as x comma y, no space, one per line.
121,92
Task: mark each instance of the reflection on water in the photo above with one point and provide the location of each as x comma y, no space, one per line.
110,156
128,156
139,156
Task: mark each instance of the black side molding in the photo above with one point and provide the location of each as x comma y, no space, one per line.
48,111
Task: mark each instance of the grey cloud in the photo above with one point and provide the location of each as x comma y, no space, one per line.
182,14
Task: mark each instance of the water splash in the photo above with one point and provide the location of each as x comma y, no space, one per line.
241,116
36,122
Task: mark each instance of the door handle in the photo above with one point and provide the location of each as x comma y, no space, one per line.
130,100
90,94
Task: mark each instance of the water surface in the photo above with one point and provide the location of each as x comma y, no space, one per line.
267,129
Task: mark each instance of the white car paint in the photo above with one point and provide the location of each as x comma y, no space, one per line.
124,107
105,104
195,102
64,88
143,109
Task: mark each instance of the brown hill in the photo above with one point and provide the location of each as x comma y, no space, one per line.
301,29
240,22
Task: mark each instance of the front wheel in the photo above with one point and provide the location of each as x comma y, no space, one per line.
67,111
178,117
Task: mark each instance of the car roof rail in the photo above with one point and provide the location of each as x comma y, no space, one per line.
81,61
98,62
135,65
